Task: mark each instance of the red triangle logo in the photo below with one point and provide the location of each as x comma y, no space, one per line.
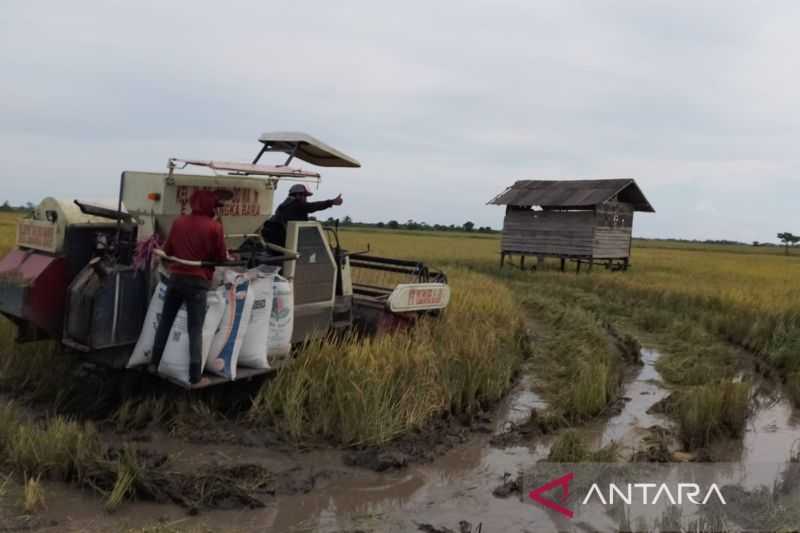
563,482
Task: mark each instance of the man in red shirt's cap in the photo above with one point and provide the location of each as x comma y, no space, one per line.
195,237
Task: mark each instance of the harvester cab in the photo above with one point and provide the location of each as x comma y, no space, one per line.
81,273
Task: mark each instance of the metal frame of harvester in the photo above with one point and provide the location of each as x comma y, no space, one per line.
73,275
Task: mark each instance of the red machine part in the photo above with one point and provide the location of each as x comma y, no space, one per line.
33,288
391,322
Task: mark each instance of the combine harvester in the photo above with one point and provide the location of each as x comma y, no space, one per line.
74,277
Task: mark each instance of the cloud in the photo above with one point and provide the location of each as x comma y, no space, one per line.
445,103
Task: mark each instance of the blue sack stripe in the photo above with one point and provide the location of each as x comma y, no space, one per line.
227,351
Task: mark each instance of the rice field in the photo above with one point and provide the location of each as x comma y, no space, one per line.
711,310
695,300
8,231
748,295
699,303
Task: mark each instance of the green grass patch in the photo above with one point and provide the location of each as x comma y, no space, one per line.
57,448
708,412
570,447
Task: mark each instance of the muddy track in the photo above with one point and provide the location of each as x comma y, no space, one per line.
438,478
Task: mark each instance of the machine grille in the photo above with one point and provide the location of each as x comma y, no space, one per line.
315,270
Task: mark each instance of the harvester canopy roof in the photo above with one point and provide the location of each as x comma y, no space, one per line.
305,147
573,194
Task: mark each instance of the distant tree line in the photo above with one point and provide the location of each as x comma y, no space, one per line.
787,239
722,242
6,207
414,225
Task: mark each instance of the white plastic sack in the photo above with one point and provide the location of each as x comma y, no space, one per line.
218,278
228,341
143,350
175,361
221,274
254,347
281,322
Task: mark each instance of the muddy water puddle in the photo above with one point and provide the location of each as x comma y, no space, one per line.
774,428
458,486
455,487
772,435
630,425
519,404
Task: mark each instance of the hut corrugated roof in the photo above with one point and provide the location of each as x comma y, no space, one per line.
573,194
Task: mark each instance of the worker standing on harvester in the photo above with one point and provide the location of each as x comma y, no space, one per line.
195,237
295,207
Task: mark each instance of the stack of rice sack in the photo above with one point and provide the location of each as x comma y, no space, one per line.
249,321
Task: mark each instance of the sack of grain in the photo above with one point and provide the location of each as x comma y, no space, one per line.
175,361
228,341
143,350
281,322
254,347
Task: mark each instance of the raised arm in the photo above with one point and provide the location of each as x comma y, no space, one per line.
311,207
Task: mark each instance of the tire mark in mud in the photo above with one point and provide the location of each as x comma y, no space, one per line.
634,423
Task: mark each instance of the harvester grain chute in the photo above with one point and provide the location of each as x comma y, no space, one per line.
75,276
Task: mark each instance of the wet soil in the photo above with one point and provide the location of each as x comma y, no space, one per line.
420,446
455,475
323,490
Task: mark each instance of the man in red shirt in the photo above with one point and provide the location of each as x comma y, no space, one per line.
195,237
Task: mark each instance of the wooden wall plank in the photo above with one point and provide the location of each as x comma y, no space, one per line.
605,233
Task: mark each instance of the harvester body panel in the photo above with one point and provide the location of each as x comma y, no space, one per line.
313,275
157,199
32,292
46,229
105,309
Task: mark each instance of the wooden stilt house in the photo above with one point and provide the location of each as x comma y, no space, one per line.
587,221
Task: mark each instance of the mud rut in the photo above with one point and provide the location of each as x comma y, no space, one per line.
453,476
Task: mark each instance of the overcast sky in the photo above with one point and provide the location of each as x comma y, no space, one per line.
445,103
